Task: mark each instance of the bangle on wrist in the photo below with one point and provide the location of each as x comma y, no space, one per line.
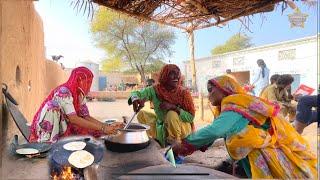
133,98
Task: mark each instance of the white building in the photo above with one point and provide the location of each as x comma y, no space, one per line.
296,57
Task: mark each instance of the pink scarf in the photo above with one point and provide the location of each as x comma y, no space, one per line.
79,81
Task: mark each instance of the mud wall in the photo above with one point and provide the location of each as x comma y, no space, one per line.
23,68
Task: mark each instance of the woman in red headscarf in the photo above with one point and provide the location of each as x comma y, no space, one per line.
174,110
64,111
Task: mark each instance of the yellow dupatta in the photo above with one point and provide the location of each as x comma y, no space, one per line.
279,152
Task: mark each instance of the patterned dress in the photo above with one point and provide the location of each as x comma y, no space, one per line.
53,122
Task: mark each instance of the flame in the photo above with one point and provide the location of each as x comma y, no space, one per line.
66,174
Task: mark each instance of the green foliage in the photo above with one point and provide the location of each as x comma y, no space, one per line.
154,67
130,41
149,68
235,43
111,65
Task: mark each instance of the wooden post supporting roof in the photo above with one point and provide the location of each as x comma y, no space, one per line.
192,60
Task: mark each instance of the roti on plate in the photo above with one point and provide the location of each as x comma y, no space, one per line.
81,159
26,151
74,146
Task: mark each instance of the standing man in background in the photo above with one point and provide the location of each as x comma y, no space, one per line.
260,77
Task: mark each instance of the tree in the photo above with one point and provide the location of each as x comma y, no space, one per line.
111,65
155,66
129,40
235,43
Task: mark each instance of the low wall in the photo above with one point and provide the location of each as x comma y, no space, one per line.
55,76
109,94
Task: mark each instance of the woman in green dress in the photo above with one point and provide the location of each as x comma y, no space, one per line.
174,110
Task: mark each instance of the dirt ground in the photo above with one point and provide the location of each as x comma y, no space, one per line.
213,156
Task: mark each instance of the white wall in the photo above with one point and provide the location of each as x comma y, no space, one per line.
304,63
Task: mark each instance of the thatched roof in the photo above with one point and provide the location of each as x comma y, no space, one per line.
189,14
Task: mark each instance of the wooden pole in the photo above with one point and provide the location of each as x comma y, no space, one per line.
201,106
192,61
1,101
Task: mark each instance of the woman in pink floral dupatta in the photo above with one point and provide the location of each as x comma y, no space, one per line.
64,111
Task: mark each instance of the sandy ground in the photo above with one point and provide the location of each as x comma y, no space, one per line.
215,154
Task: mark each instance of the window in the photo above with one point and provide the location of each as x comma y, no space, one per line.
289,54
238,61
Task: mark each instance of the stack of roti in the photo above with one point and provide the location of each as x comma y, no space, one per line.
81,159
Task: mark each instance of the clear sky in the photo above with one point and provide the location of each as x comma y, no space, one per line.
67,33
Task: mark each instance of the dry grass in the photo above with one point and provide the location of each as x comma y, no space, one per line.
185,14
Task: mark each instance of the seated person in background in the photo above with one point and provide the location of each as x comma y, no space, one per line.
305,115
273,80
229,73
265,146
278,93
64,111
173,107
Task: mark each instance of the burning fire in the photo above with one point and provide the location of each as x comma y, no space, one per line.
66,174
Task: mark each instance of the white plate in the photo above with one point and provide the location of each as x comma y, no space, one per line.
81,159
26,151
74,146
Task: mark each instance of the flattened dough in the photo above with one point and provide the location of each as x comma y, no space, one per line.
74,146
26,151
81,159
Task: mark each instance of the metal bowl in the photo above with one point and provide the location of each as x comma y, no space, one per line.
135,134
131,139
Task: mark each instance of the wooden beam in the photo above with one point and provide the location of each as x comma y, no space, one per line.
144,18
192,60
198,5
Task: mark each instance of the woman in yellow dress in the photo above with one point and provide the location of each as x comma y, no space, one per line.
265,144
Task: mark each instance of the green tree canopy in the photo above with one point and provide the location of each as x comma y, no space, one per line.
129,41
235,43
112,65
155,66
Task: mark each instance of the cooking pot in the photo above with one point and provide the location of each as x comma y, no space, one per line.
127,140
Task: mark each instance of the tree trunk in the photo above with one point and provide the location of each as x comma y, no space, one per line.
201,108
192,61
142,74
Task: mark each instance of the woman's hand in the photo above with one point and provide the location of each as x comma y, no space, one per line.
112,128
138,104
177,148
167,106
184,148
118,125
